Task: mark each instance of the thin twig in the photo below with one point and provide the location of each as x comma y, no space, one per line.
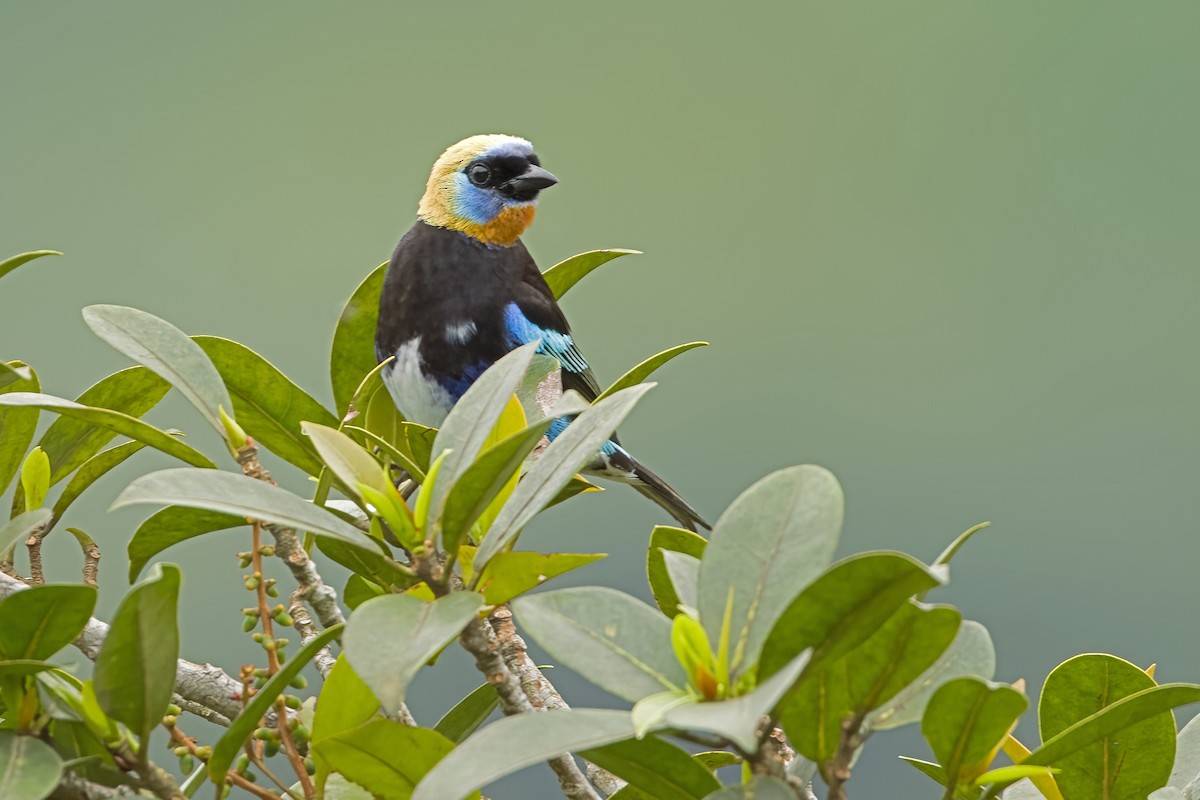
34,543
91,555
203,754
839,768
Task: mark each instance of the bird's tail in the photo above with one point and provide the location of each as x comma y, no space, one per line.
623,467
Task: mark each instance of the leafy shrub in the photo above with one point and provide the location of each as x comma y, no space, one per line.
762,653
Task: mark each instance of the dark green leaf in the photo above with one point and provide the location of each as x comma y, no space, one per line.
677,540
966,721
377,567
24,666
647,368
384,757
115,421
655,767
513,743
865,678
760,787
9,264
268,406
971,653
511,574
353,353
345,703
168,351
416,631
42,620
91,471
772,540
565,274
558,463
172,525
70,441
483,480
29,768
239,731
135,670
20,526
468,714
228,493
17,426
615,641
1127,765
844,606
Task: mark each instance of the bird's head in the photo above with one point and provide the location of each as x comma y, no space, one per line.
485,186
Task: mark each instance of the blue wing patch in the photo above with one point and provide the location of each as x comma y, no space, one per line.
554,343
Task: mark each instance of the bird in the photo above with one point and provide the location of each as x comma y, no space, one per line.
461,290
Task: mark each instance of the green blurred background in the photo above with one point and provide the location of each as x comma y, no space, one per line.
946,249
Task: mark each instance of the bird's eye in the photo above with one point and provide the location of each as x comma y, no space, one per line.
479,174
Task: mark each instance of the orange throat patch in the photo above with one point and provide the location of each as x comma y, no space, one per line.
504,229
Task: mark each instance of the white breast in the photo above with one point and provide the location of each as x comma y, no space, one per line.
419,399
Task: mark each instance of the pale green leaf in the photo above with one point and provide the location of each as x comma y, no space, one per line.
9,264
512,743
159,345
416,631
667,538
29,768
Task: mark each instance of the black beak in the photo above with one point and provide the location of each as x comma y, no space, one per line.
526,186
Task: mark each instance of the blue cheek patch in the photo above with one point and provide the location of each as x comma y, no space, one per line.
560,345
476,205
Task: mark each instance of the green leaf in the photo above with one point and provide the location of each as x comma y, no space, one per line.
241,495
1011,774
740,718
359,590
42,620
29,768
956,545
468,714
13,371
511,574
844,606
20,526
615,641
1127,765
484,480
172,525
115,421
928,768
556,466
159,345
971,653
35,478
244,724
772,540
353,353
377,567
1125,713
268,405
386,758
399,458
656,767
135,670
684,573
966,721
17,426
470,422
865,678
760,787
647,368
9,264
565,274
677,540
345,702
714,760
91,471
70,441
349,462
512,743
416,632
23,666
